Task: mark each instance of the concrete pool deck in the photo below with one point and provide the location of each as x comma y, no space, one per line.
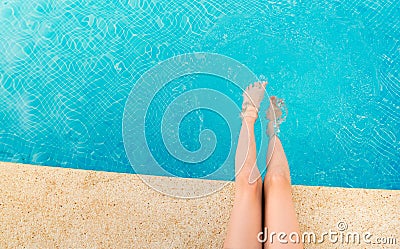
49,207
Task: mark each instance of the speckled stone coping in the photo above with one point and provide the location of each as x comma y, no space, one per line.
48,207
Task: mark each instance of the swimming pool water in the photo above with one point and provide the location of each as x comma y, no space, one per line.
67,68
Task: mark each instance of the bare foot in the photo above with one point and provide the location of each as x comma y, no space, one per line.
274,115
252,97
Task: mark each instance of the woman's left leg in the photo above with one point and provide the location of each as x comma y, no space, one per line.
245,221
246,217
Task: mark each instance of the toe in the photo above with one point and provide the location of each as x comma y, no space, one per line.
264,84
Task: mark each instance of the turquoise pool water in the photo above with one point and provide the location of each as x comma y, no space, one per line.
67,68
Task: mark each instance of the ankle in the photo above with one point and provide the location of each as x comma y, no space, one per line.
272,129
249,120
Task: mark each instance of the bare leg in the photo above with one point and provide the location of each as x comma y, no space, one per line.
246,219
280,215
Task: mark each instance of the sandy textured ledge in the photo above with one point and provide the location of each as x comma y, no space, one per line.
46,207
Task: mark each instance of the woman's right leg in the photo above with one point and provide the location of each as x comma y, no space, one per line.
280,215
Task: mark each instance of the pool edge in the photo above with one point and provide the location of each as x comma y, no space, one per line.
51,207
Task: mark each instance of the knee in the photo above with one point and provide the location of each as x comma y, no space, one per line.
244,185
277,179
